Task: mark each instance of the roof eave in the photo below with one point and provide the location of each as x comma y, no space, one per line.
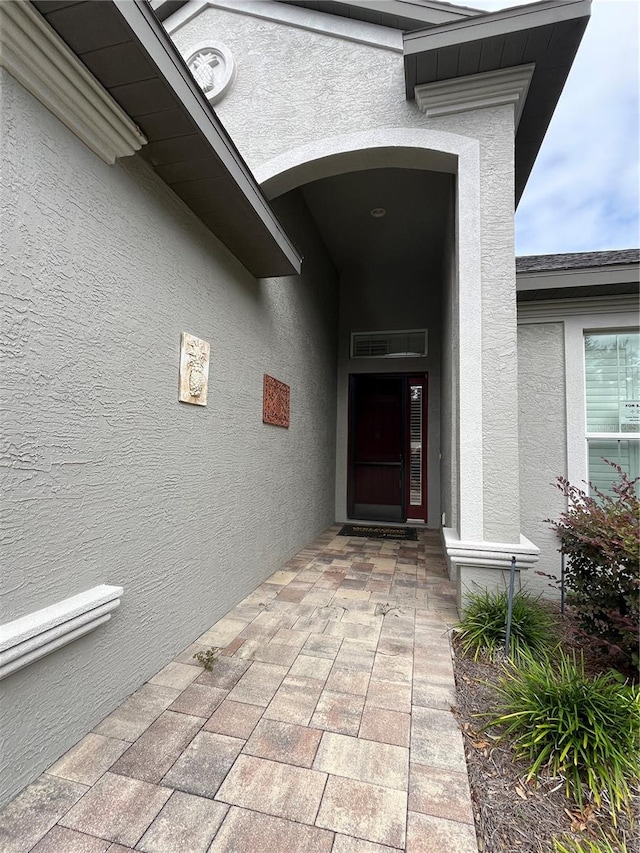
398,14
240,216
549,32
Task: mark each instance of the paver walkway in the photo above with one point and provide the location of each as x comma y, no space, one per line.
325,726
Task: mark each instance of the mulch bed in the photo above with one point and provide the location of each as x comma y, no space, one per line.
512,814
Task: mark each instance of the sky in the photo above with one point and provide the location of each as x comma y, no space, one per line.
584,189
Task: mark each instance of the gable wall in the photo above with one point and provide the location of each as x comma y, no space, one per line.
294,86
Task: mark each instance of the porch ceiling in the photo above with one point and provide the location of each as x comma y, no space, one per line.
546,34
408,239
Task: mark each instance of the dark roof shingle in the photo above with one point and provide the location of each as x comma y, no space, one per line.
576,260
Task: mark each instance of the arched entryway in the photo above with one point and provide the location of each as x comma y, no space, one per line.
440,174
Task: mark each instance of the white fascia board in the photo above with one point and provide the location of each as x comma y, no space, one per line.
31,637
35,55
164,55
348,29
493,24
476,91
429,12
585,277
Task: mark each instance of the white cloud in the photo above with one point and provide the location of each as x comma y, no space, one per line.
583,191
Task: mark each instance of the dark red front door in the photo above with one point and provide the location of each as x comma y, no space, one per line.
387,447
378,445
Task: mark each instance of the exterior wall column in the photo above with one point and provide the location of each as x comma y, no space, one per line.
479,551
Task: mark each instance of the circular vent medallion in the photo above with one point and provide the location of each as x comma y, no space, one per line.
213,67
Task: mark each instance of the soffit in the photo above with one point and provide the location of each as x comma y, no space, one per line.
545,34
126,49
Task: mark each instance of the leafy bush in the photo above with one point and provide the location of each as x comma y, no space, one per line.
484,625
599,534
584,728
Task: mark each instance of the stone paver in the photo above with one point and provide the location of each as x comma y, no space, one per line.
185,823
427,834
436,740
365,760
89,759
365,811
274,788
324,726
138,712
440,793
117,809
203,766
59,839
245,830
198,700
285,742
33,812
338,712
385,726
234,719
159,747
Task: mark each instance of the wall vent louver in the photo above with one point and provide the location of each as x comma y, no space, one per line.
411,343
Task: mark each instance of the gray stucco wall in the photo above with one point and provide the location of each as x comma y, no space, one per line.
543,453
107,478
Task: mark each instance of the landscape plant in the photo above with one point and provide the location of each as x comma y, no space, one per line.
583,728
603,844
482,630
208,657
599,534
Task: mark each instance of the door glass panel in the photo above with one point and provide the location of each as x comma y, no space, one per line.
415,427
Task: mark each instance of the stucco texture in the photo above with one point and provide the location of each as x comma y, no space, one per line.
293,85
107,478
543,455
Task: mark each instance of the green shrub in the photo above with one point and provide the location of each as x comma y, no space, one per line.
599,534
604,844
484,625
583,728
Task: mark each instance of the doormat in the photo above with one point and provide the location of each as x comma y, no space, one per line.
403,533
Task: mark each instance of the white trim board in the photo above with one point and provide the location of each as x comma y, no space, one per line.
360,32
38,58
31,637
476,91
489,555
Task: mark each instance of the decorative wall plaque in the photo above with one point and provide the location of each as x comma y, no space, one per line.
275,402
194,370
214,68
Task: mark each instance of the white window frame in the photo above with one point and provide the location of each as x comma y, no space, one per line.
575,329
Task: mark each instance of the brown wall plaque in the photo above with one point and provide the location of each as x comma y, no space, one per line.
275,402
